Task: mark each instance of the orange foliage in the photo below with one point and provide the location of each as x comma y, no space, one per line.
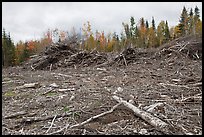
31,45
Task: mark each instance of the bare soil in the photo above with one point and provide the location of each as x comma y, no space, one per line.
167,75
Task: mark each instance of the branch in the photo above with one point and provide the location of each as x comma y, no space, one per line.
36,119
51,124
125,60
16,114
87,121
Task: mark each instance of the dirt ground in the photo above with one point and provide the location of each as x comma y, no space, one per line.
72,95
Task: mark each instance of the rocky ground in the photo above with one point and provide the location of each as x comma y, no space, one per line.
68,95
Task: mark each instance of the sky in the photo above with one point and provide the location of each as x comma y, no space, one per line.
30,20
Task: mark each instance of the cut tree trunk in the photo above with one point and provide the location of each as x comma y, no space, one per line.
152,120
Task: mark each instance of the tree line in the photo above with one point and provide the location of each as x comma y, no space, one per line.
141,34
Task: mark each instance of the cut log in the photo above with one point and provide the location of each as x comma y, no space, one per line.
154,121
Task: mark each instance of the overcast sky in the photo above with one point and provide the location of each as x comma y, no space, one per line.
29,20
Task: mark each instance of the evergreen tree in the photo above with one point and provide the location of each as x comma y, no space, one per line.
197,21
153,24
147,24
4,48
25,54
137,36
183,25
190,22
166,32
11,54
197,12
8,50
132,27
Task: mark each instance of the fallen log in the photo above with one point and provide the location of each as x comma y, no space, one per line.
152,120
29,85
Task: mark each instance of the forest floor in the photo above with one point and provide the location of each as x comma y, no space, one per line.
70,95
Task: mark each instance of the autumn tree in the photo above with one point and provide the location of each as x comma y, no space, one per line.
116,42
20,47
110,43
89,38
146,33
128,34
103,41
161,32
97,40
152,37
26,54
142,30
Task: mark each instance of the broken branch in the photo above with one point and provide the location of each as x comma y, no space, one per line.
88,120
16,114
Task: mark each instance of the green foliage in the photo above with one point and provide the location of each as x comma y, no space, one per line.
51,94
66,109
183,26
166,32
76,115
10,94
153,24
8,50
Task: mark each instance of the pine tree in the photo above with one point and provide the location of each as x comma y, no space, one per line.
137,37
197,12
190,22
197,22
25,54
153,24
183,25
132,27
147,24
166,32
11,51
4,48
8,48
